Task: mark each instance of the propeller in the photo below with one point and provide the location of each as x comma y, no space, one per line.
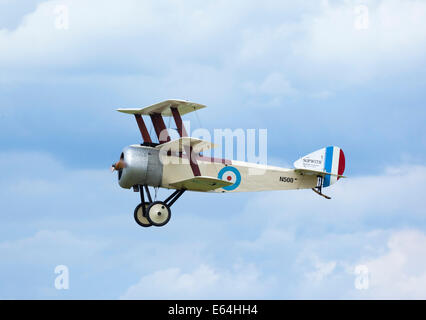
118,165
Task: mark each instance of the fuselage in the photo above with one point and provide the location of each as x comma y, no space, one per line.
148,166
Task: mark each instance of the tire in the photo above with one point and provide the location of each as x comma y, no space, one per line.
139,218
158,213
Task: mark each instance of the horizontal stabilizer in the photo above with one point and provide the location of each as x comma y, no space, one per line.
322,173
178,145
201,183
164,108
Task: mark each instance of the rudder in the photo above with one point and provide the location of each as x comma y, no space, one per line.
330,159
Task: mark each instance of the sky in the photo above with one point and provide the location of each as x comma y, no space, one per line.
313,73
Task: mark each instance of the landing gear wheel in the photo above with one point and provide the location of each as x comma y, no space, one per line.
139,218
158,213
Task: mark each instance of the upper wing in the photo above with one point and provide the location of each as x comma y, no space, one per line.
164,108
201,183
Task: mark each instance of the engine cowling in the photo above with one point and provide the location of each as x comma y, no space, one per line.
142,166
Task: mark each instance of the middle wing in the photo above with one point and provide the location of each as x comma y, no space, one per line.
178,145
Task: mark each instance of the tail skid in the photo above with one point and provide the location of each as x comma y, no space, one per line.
318,188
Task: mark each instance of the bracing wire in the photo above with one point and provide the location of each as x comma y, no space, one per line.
198,118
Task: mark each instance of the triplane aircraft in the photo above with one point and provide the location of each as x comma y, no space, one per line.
180,165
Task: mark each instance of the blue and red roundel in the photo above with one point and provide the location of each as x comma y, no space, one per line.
230,174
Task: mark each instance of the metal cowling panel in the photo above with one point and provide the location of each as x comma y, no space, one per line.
143,167
154,173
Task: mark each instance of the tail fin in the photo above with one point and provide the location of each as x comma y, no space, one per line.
326,160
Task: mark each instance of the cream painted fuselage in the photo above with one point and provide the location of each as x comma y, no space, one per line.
246,176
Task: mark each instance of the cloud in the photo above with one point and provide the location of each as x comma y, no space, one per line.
330,48
320,242
320,39
204,282
11,12
322,270
301,60
50,246
274,84
395,270
375,201
306,60
400,271
37,182
151,34
310,244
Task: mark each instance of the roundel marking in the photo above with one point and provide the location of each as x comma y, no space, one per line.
230,174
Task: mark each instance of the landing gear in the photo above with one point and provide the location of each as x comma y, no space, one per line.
157,213
139,215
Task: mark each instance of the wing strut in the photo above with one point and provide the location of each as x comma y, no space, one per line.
160,127
179,123
188,149
142,128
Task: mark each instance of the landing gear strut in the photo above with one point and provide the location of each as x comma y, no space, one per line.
318,188
157,213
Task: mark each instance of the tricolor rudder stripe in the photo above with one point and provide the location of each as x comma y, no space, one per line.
334,163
